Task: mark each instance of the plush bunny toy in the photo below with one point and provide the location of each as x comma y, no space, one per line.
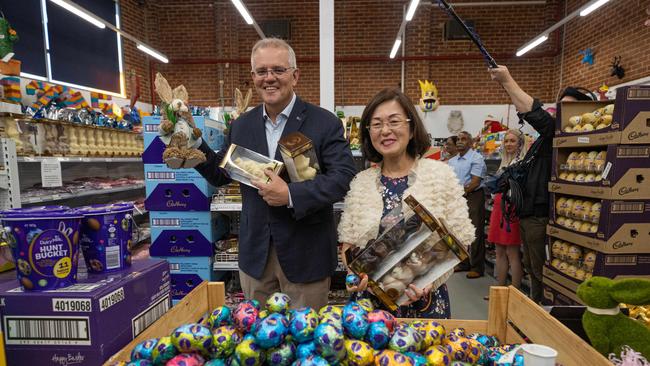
607,328
177,129
241,103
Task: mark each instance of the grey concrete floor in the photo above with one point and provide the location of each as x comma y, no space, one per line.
466,296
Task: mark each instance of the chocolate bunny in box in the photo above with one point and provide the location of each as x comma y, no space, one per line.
177,129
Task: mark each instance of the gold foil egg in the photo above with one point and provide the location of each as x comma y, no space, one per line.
568,129
560,220
609,109
580,274
562,267
590,178
571,270
593,229
589,261
563,175
575,120
588,118
556,247
577,224
580,178
555,263
571,177
560,205
587,128
568,223
564,250
574,253
585,227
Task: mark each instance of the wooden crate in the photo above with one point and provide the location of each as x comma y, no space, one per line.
509,310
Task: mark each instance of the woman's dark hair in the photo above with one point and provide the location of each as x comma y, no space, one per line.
417,145
578,92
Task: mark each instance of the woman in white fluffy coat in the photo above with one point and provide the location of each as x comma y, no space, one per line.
392,134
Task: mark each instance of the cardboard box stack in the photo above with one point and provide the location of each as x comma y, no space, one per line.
600,200
182,226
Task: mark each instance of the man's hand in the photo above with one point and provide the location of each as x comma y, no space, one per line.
500,74
361,286
275,192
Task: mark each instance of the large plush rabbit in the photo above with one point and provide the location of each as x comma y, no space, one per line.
607,328
177,129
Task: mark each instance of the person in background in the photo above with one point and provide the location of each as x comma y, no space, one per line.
287,232
393,136
504,233
535,210
470,169
450,149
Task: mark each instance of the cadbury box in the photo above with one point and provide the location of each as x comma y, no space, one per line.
630,121
556,294
176,189
86,323
178,233
188,272
212,133
625,221
609,172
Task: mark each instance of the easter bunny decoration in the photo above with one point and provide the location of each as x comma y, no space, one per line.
177,129
607,328
241,103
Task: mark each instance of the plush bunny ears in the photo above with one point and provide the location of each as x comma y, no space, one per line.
633,291
166,93
242,103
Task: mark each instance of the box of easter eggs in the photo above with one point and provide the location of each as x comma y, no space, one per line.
626,222
415,248
623,121
556,294
607,172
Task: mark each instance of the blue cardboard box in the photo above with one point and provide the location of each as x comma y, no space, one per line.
188,272
177,233
212,134
176,189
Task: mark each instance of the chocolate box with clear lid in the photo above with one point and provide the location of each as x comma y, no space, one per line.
299,157
417,248
244,165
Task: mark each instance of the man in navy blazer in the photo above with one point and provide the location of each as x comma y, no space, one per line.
287,234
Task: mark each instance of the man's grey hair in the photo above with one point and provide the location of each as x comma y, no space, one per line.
469,135
272,42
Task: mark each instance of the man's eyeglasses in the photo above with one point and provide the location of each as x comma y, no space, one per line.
276,71
393,124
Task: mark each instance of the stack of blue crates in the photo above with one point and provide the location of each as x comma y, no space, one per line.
182,227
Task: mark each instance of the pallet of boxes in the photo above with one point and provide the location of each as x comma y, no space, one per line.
182,227
600,193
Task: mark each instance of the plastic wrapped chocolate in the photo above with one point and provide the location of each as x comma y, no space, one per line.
244,165
299,157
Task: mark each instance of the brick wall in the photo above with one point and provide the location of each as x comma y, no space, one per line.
208,41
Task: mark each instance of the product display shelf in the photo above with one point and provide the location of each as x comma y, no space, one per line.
65,196
78,159
510,315
236,206
228,262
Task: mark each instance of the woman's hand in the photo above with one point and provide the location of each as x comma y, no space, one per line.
414,293
361,286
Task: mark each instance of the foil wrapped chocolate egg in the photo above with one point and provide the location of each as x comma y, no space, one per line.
488,341
433,333
392,358
460,332
220,316
382,316
192,338
358,353
232,361
307,349
278,303
331,314
437,355
303,324
224,341
333,356
164,351
329,309
458,348
311,361
215,362
329,338
355,320
283,355
378,335
204,320
475,352
271,331
366,304
255,303
405,339
352,280
144,350
263,314
141,362
245,316
249,353
186,359
417,358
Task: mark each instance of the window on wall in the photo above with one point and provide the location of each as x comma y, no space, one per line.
66,49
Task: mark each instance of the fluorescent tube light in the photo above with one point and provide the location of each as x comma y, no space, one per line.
242,10
393,52
74,9
411,11
586,11
541,39
153,53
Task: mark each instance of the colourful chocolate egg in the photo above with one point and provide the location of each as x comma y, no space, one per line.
458,348
458,331
488,341
307,349
232,361
352,280
245,316
475,352
378,335
359,353
382,316
392,358
438,356
249,353
355,320
224,341
220,316
255,303
303,323
284,355
311,361
192,338
366,304
270,331
263,314
144,350
405,339
329,338
141,362
333,356
434,333
204,320
215,362
329,309
164,351
278,303
417,358
186,359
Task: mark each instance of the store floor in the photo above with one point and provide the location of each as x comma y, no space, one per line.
466,296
